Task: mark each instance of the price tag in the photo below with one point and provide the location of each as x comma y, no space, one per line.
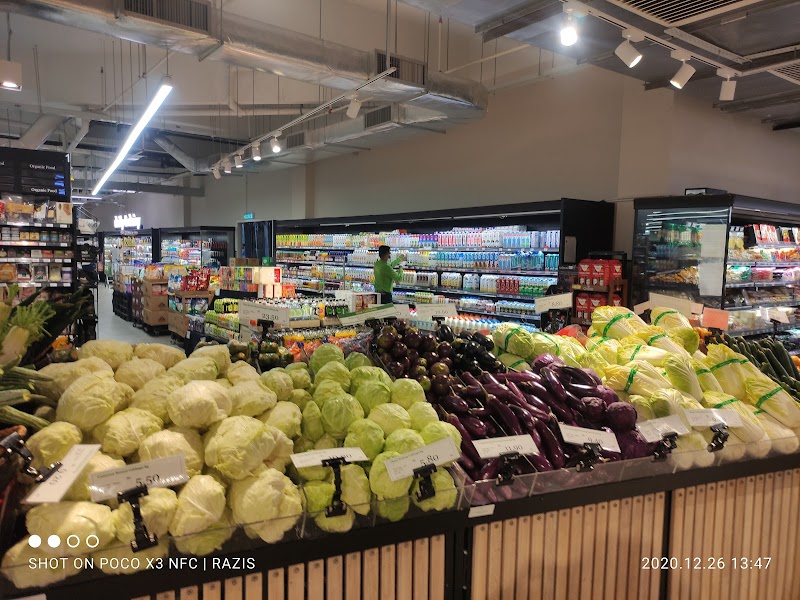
277,314
707,417
553,302
429,311
55,486
686,307
403,311
776,314
640,308
481,511
713,317
314,458
162,472
437,453
384,311
494,447
654,429
580,436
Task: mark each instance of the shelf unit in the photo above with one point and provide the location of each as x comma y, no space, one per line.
196,246
581,226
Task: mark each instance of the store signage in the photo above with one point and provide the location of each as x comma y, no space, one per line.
162,472
685,307
127,221
715,318
383,311
708,417
429,311
494,447
553,302
437,453
314,458
655,429
55,486
248,216
579,436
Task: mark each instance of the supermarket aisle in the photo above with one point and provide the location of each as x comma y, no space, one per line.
111,327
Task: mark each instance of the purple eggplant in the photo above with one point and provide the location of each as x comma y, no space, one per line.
504,415
523,377
536,402
489,470
540,462
454,404
551,446
470,380
467,447
580,389
516,391
481,413
562,411
491,430
488,379
552,383
466,463
580,376
473,403
545,360
593,376
528,422
475,391
476,427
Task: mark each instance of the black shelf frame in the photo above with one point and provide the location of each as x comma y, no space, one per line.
202,233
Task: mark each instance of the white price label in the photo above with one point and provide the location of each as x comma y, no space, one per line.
494,447
403,311
776,314
55,486
162,472
686,307
277,314
481,511
553,302
655,429
429,311
580,436
384,311
314,458
707,417
437,453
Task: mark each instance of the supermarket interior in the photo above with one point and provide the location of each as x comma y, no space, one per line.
400,300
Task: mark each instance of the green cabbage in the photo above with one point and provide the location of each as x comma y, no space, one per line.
176,440
169,356
79,490
301,398
112,352
406,392
687,337
296,366
750,430
279,382
268,504
137,372
210,539
514,339
337,414
390,417
681,374
200,505
300,378
356,492
124,432
51,444
668,318
356,359
285,416
337,524
361,375
433,432
403,441
326,389
199,404
219,354
641,351
281,455
367,435
380,483
158,509
81,519
446,492
241,371
393,509
324,354
372,393
195,368
594,361
334,371
513,362
63,374
237,446
154,396
659,338
725,365
312,422
608,348
251,398
638,377
88,401
319,495
421,414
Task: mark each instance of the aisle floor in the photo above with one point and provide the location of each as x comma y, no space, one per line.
111,327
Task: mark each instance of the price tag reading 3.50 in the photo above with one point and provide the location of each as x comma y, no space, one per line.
437,453
580,436
494,447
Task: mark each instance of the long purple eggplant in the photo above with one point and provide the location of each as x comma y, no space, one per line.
537,403
489,470
467,446
475,391
504,415
473,403
488,378
581,389
560,410
470,379
552,383
528,421
551,446
540,462
454,404
522,377
515,390
491,430
466,463
475,427
481,413
578,376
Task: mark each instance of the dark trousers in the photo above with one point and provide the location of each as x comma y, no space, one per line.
385,298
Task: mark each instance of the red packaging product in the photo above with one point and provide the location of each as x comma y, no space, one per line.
599,272
585,272
582,306
617,300
596,300
614,270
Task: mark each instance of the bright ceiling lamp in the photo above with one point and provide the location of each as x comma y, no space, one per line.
626,52
354,108
237,160
275,144
684,74
728,91
10,75
163,91
215,172
569,30
226,166
255,151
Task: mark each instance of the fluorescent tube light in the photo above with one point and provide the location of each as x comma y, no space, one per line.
161,95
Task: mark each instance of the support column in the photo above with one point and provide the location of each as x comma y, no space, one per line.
303,192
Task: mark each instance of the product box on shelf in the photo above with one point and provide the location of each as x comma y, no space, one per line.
150,288
155,303
178,323
155,317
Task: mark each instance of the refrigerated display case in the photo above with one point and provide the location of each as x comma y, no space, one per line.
196,246
256,239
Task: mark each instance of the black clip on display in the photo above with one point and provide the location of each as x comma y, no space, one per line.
505,470
14,444
265,325
337,507
668,443
720,437
426,489
142,540
587,456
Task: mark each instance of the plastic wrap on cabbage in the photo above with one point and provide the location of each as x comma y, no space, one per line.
615,321
726,366
88,401
638,377
268,504
240,372
668,318
138,371
201,503
176,440
644,411
219,354
659,338
514,338
680,373
783,439
169,356
641,351
16,566
210,539
195,368
774,400
750,430
123,433
706,379
605,347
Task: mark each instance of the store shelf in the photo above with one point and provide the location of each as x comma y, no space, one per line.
36,284
520,272
39,224
34,244
673,286
760,330
315,262
765,305
26,260
758,284
500,315
438,290
593,288
422,248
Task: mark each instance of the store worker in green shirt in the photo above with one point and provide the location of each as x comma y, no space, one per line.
386,273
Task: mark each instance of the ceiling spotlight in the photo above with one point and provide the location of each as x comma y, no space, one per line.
11,75
226,166
728,91
626,52
275,144
237,159
684,74
569,33
354,108
215,172
255,152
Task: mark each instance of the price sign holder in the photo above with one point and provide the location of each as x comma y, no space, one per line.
426,489
668,443
586,458
337,507
720,437
14,444
142,539
505,470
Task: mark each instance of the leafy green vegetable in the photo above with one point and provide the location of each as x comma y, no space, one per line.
406,392
238,446
367,435
403,441
122,434
338,413
324,354
390,417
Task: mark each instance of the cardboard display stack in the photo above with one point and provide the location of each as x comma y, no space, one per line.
155,302
183,303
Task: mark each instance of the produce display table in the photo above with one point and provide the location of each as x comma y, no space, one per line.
703,529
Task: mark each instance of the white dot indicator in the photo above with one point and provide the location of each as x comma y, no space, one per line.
34,541
92,541
73,541
54,541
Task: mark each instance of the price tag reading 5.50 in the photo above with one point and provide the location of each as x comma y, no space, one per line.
162,472
437,453
494,447
579,436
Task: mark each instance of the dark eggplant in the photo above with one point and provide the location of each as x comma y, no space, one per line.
454,404
481,413
545,360
491,430
579,376
486,359
581,389
550,446
489,470
474,391
552,383
470,379
473,403
537,403
504,415
475,426
467,447
445,333
488,378
466,463
560,410
484,341
528,421
515,390
540,462
523,377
